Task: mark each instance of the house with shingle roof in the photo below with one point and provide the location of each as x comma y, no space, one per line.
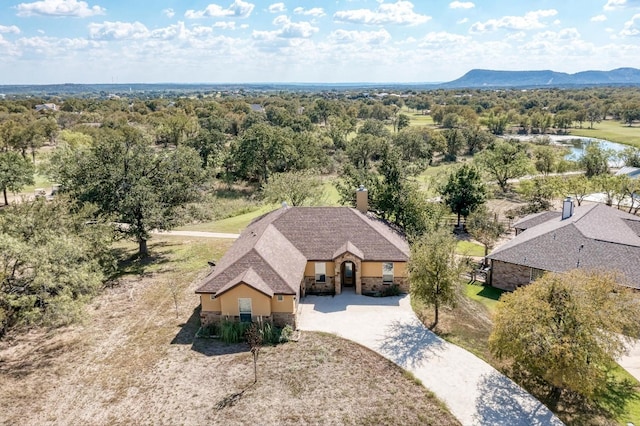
294,251
595,237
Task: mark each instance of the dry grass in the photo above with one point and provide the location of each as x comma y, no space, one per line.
133,362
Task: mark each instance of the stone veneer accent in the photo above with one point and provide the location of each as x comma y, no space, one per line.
279,319
375,284
348,257
312,287
509,276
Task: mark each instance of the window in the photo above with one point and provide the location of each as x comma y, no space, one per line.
534,274
213,296
387,272
321,272
244,306
280,298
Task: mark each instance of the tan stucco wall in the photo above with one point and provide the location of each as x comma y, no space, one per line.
310,269
287,305
260,303
208,304
374,269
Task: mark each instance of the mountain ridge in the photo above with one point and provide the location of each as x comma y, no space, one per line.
485,78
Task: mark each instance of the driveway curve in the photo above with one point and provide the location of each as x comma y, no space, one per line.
475,392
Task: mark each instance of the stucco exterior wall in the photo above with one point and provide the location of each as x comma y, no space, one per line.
208,304
374,269
260,303
509,276
310,269
287,305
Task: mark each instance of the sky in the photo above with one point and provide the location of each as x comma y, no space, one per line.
308,41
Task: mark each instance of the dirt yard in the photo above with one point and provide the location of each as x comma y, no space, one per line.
133,362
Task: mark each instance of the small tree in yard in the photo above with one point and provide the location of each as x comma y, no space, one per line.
254,339
567,330
464,191
484,226
434,270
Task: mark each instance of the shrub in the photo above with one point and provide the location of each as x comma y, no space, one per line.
392,290
233,332
286,334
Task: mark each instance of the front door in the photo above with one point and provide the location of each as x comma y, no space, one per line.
348,274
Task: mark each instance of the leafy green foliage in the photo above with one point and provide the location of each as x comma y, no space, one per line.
567,329
484,226
298,188
504,160
595,160
434,270
15,173
464,191
130,180
51,263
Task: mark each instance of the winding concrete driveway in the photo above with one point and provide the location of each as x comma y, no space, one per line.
475,392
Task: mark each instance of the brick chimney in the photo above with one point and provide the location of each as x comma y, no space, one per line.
362,199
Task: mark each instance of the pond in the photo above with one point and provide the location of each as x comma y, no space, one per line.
578,146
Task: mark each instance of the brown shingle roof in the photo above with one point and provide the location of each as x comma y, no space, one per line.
273,250
595,237
535,219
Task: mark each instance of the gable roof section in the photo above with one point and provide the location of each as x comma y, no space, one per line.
595,237
250,278
348,247
531,220
319,232
264,249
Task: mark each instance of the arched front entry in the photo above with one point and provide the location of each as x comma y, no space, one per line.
348,274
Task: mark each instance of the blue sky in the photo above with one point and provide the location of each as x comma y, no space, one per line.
152,41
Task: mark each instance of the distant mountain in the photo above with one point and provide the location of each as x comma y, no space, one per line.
490,78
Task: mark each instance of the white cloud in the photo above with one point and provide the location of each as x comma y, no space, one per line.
237,9
631,27
400,13
530,21
74,8
598,18
229,25
288,29
461,5
442,39
118,30
615,4
462,21
318,12
169,13
10,29
362,37
277,8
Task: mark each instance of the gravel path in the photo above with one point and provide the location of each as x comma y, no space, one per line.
475,392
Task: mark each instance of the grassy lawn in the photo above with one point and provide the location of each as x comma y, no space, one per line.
613,131
233,225
486,295
469,248
418,119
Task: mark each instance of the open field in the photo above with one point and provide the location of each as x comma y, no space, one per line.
133,361
611,130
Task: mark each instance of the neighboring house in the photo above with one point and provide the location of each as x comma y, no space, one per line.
591,237
632,172
46,107
293,251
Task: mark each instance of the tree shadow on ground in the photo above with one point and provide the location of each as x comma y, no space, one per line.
502,402
129,263
409,344
206,346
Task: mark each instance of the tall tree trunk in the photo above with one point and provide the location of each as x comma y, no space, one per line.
6,201
255,367
554,398
143,251
435,320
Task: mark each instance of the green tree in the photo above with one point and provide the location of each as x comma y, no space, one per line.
15,173
595,160
578,187
51,262
496,123
566,329
297,188
434,271
546,159
464,191
130,180
484,226
504,160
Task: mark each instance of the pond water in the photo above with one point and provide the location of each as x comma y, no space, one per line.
578,146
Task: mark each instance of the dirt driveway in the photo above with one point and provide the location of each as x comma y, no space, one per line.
475,392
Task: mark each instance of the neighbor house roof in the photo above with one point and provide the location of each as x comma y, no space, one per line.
274,249
632,172
595,237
